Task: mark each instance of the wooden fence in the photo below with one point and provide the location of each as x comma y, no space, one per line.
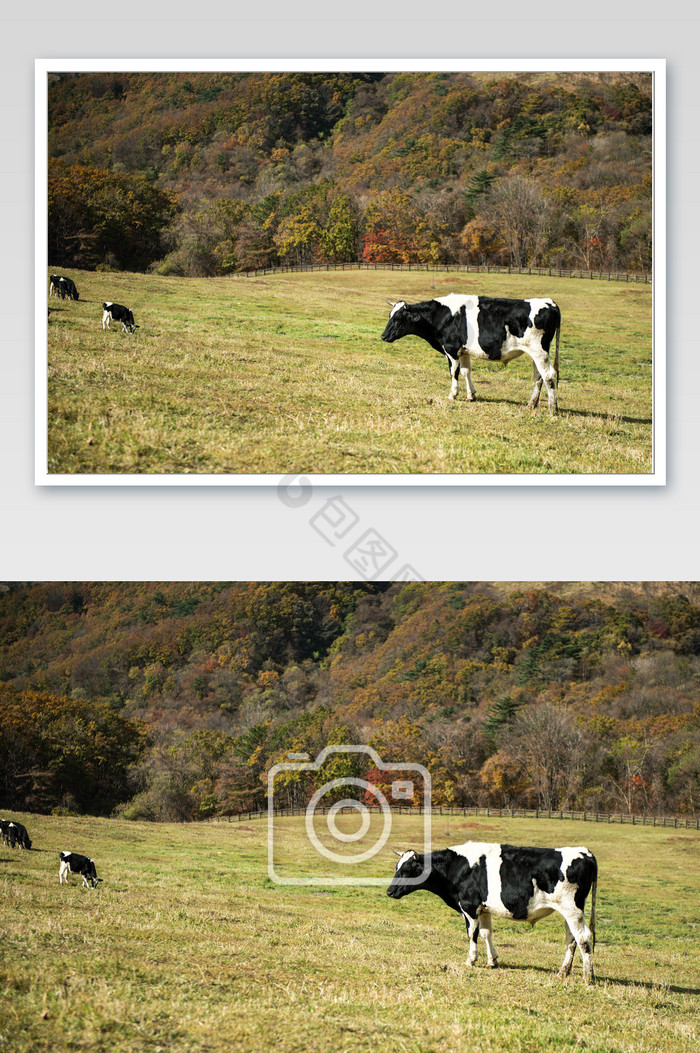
676,822
452,268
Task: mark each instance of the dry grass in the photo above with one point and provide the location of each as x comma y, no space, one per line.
187,945
287,374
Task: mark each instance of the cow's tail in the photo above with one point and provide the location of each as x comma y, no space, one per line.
556,350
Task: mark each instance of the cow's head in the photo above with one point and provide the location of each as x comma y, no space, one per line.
132,327
411,874
399,321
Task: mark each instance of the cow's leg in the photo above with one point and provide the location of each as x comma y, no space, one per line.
570,951
549,376
453,363
473,933
584,938
486,935
466,363
535,397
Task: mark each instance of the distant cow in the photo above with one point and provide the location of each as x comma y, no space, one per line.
73,863
68,288
14,834
63,287
116,312
462,327
479,880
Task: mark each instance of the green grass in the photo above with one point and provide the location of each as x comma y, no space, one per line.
188,946
287,374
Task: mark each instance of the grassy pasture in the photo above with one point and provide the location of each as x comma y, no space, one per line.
187,945
287,374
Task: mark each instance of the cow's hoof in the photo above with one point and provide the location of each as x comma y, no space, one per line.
470,964
493,964
452,398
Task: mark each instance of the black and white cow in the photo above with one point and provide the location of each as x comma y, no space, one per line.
67,288
116,312
63,287
480,881
466,327
73,863
14,834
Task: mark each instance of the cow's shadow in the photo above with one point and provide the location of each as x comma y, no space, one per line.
647,985
563,411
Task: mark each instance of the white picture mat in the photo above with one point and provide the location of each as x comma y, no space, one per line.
655,66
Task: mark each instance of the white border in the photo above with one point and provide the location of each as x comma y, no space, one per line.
657,477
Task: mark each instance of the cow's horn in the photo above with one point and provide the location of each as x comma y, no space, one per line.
392,303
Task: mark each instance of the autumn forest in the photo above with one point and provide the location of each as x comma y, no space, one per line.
214,173
173,700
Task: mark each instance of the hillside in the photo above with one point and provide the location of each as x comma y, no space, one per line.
246,169
552,695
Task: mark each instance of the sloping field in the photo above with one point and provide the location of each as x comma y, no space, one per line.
187,945
287,374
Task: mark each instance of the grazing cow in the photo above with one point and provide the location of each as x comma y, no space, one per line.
483,880
115,312
14,833
73,863
67,286
462,327
63,287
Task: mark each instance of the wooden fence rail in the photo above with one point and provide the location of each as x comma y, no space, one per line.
452,268
676,822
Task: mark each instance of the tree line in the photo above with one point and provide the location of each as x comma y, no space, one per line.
214,174
174,701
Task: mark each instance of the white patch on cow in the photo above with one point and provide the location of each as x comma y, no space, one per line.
397,307
472,852
404,859
455,302
537,304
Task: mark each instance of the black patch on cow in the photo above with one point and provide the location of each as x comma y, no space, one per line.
493,317
520,868
548,319
474,887
582,872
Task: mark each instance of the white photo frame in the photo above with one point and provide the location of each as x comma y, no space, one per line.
657,67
